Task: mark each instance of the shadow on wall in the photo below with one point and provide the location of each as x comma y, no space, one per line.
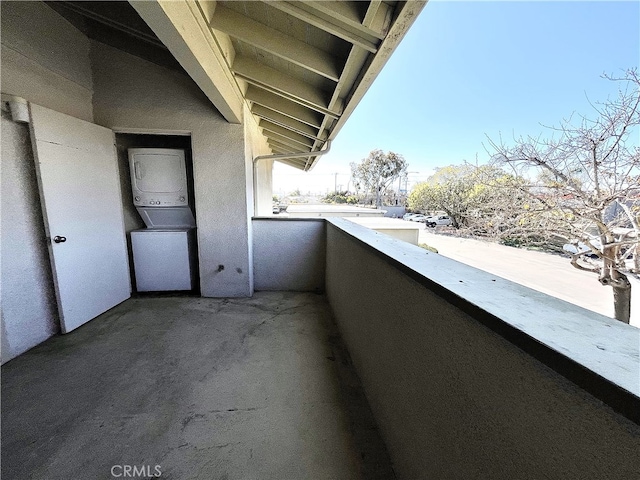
29,312
132,220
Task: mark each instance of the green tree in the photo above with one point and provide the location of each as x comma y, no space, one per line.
485,200
336,197
375,174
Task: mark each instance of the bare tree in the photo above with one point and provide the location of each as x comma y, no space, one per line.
377,172
585,186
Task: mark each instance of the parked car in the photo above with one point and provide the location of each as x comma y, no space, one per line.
439,220
407,216
579,247
417,218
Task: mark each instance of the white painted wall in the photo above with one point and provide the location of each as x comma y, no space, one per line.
29,314
452,398
289,254
131,94
45,59
256,145
264,187
396,228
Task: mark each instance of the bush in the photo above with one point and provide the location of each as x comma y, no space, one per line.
337,197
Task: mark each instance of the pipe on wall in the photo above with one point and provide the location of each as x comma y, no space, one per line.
277,157
17,106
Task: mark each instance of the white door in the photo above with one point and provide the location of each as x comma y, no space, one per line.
79,185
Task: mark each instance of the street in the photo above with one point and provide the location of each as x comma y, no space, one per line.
544,272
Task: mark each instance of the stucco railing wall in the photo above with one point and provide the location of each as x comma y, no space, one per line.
434,343
289,254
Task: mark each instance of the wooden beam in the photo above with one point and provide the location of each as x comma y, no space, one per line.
285,132
287,140
275,42
298,163
372,10
368,42
183,30
207,9
277,151
379,16
356,57
407,14
285,107
286,148
262,75
342,14
287,122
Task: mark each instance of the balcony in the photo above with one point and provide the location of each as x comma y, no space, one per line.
448,372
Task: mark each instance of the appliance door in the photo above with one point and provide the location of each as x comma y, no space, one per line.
158,176
167,217
163,259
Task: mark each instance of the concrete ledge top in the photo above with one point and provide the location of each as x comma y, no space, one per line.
286,218
328,210
304,207
601,345
384,223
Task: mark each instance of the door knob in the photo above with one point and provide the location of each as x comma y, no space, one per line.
58,239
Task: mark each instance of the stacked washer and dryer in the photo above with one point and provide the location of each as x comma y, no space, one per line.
164,253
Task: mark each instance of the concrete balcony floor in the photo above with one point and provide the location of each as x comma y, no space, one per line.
257,388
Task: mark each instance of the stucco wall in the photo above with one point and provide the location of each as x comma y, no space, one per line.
262,188
45,59
289,254
394,212
29,313
133,95
452,398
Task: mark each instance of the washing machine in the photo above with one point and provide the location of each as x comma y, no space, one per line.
164,259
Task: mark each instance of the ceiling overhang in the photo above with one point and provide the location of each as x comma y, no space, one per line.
300,66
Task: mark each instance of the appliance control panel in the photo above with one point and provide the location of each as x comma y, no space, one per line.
142,200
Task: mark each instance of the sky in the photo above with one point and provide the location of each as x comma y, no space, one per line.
466,71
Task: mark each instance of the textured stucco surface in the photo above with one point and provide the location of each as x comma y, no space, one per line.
49,62
453,399
45,60
29,313
256,145
264,188
289,255
250,388
131,94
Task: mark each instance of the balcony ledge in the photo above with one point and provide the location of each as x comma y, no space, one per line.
599,354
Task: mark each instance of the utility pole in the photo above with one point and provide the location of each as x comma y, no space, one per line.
406,181
335,182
